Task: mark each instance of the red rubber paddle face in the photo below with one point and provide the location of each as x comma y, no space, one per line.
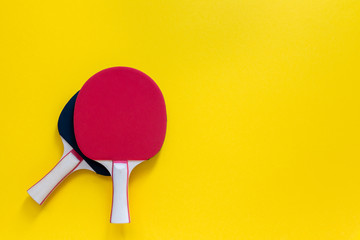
120,114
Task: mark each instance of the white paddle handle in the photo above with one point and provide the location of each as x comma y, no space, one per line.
42,189
120,202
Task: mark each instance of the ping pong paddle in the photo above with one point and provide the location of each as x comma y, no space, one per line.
120,117
72,159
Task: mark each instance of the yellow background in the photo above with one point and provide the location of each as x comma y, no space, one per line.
263,109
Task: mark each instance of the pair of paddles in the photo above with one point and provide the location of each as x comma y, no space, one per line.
116,121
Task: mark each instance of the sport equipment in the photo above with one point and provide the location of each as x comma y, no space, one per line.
71,161
120,117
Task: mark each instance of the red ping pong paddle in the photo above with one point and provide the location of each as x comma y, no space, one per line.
120,116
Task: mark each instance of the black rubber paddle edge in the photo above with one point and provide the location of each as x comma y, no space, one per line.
66,130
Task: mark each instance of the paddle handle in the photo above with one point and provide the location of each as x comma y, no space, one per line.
67,164
120,201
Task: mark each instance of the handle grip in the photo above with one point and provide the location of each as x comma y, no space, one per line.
42,189
120,201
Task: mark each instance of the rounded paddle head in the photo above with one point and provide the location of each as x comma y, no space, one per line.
120,114
66,131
